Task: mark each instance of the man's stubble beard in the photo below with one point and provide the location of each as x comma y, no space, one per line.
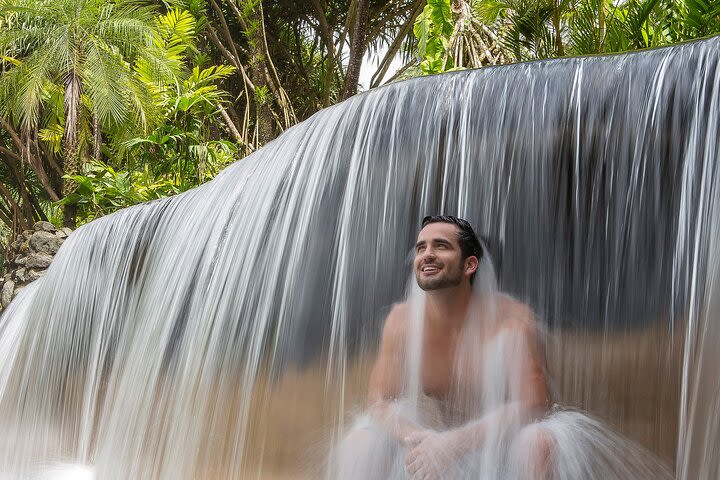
442,281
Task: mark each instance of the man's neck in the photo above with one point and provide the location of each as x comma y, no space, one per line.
448,307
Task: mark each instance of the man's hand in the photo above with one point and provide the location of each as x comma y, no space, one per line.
430,454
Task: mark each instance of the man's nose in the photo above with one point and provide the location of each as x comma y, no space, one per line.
429,253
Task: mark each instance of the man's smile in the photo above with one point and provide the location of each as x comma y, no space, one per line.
430,269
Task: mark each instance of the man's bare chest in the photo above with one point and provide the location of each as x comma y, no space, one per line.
445,367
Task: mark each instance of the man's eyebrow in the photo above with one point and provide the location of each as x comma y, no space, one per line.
441,241
435,241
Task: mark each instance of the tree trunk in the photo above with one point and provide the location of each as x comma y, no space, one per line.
358,46
396,45
327,35
19,221
601,26
34,159
97,138
72,163
70,215
559,47
258,76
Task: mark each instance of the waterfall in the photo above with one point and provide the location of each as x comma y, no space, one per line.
227,332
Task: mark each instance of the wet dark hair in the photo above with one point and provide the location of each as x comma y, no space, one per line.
470,246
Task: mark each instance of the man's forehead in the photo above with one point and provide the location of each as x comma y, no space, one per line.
437,230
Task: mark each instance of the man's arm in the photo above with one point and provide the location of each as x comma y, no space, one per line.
532,399
387,377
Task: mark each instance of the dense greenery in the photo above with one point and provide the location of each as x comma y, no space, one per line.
474,33
107,103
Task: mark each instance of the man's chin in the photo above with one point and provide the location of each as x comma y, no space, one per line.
439,280
434,284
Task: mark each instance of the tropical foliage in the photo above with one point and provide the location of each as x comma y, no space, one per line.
453,36
66,75
518,30
104,103
100,94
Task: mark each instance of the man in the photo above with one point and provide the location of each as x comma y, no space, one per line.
463,336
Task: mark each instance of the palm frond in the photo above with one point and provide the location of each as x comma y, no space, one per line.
177,26
104,76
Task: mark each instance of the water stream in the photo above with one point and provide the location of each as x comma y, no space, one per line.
227,332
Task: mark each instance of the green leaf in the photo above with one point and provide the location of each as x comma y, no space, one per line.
421,30
441,16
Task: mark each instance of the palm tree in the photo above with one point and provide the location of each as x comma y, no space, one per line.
84,48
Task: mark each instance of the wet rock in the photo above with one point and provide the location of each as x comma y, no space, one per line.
45,242
21,275
33,275
7,293
28,257
38,260
45,227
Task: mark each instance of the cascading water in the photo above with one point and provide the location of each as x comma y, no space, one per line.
227,332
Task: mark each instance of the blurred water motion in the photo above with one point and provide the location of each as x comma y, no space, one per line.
228,332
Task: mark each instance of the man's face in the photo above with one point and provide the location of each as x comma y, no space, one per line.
438,258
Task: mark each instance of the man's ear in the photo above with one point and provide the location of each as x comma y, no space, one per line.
471,265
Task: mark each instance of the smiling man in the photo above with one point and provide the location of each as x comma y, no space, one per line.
481,362
459,389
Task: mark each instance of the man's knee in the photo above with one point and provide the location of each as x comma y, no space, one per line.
537,445
543,445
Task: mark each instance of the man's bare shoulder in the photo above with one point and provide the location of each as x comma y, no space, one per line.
515,315
396,322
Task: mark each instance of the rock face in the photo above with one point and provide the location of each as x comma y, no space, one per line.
28,257
45,242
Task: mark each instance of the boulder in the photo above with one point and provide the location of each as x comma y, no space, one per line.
28,257
38,260
21,275
44,227
7,293
45,242
33,275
